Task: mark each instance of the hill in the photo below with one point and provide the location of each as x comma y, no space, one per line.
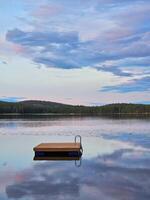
46,107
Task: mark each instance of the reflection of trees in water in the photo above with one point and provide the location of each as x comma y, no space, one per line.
115,176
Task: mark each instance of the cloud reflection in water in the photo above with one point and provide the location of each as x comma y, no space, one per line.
108,177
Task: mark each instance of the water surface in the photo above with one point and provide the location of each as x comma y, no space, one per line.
115,163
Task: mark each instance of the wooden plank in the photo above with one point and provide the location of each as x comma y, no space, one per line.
53,147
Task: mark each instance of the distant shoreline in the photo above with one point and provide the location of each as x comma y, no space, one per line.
70,114
45,108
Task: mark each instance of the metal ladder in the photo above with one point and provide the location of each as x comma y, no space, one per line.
80,140
79,162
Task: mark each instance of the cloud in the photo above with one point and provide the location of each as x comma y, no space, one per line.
137,14
116,2
114,70
45,11
3,62
41,38
65,50
136,85
139,62
86,37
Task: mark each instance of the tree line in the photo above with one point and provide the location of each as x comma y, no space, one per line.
35,107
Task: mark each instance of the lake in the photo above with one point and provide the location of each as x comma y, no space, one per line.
115,164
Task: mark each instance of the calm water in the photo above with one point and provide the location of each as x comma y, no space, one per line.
115,163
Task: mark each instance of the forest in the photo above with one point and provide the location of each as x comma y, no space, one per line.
46,107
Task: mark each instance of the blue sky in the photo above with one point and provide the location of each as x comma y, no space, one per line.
77,52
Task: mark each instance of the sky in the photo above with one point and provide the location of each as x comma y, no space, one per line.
83,52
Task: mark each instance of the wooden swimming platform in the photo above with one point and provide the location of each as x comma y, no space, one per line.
55,147
59,150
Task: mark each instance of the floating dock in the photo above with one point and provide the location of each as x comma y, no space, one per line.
57,147
61,151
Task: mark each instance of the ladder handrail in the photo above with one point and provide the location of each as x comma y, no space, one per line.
75,139
78,136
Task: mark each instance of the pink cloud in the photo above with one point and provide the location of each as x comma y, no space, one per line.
46,11
118,33
18,48
134,15
11,48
